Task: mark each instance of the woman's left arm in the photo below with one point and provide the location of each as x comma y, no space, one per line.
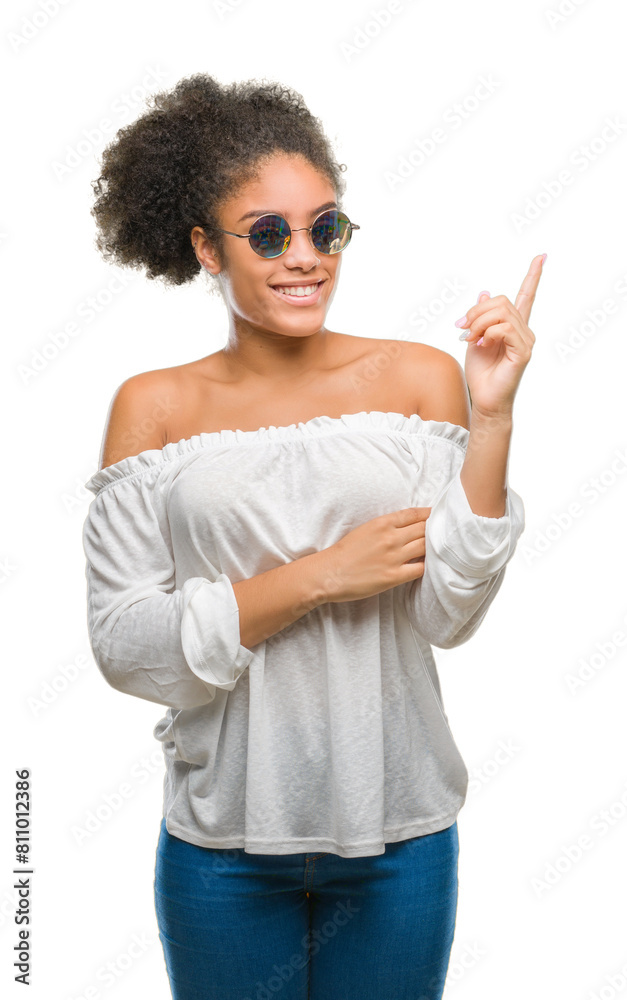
474,526
500,345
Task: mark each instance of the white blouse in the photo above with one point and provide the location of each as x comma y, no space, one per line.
331,734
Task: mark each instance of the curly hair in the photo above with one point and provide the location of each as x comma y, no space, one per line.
172,168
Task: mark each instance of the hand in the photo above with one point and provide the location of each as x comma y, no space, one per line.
376,556
500,343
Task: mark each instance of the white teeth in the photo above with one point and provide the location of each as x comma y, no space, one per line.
299,290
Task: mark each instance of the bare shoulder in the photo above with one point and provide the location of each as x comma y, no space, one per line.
440,381
138,414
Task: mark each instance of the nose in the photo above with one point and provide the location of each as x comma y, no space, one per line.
301,252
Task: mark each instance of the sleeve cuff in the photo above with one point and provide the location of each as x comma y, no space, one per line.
473,545
210,632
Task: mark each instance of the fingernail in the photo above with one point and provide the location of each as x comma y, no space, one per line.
465,335
544,257
483,293
480,341
460,322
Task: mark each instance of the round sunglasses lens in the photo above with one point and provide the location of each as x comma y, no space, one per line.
270,236
331,232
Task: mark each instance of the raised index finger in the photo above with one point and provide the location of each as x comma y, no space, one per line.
527,293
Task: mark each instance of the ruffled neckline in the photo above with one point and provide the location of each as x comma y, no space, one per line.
367,420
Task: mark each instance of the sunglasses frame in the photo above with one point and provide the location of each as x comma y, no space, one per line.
247,236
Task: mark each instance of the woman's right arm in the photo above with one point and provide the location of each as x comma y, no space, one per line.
172,646
267,602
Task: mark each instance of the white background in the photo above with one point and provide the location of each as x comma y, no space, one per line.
531,921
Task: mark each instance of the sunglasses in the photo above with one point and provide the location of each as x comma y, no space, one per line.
270,235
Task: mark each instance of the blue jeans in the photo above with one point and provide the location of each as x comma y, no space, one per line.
238,926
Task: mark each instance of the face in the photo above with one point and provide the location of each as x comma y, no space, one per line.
289,186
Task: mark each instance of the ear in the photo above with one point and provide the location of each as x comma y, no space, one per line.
205,252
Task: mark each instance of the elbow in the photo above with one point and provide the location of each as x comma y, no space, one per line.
144,682
446,638
119,679
450,619
181,696
452,639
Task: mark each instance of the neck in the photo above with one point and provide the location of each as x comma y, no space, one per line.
274,357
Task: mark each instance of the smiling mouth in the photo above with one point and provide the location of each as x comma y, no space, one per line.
299,293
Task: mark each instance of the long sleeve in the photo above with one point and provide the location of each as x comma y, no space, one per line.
171,646
465,560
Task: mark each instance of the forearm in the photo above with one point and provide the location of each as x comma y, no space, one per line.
484,472
271,601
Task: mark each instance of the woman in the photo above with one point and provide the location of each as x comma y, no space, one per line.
280,532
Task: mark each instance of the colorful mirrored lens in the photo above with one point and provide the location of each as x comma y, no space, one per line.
270,235
331,232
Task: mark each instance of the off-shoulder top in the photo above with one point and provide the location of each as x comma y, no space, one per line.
331,735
